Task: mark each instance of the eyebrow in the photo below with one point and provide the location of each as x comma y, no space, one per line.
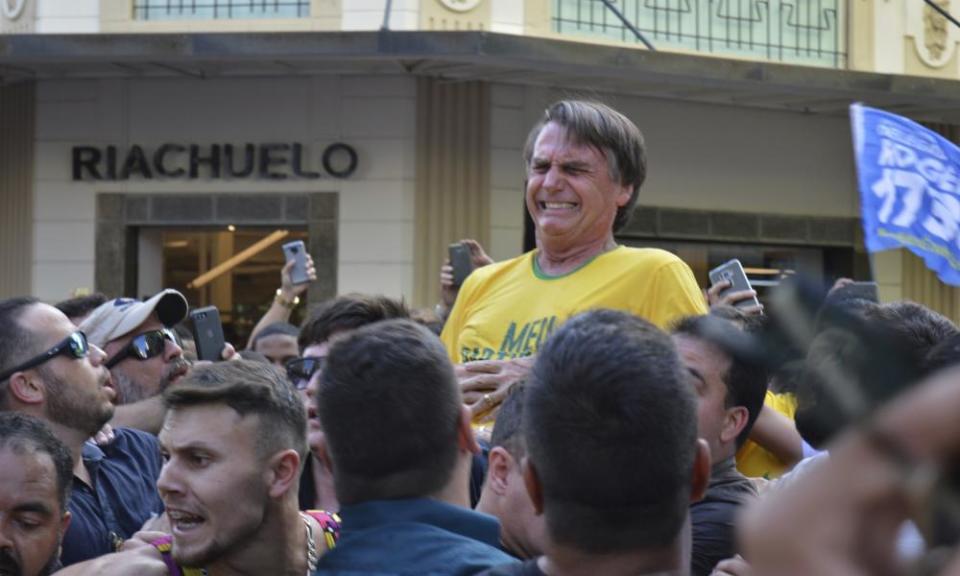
36,507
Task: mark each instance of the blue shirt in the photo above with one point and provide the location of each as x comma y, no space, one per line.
419,537
122,497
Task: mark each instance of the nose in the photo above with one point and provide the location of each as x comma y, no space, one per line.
97,355
171,350
552,178
169,480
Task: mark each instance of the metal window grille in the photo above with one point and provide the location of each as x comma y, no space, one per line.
810,32
219,9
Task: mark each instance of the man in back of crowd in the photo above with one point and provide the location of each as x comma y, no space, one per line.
35,475
504,495
233,440
730,394
48,370
79,307
613,459
585,165
400,444
143,353
277,342
327,321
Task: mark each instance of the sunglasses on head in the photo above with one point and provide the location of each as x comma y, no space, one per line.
74,345
145,346
300,370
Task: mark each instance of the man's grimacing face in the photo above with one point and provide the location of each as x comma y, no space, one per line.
213,482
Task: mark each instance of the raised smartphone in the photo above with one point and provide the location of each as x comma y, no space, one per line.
732,271
297,252
207,333
461,262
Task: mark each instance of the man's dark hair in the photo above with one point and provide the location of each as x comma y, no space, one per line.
347,312
248,388
25,434
81,305
916,329
390,407
610,423
284,328
746,381
17,342
610,132
508,429
944,355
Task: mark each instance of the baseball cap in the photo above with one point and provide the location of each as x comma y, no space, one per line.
120,316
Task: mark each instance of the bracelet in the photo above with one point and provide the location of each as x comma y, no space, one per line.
288,304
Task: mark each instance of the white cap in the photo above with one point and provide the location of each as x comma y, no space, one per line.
118,317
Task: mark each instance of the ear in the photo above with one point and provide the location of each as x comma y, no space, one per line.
26,389
499,465
65,522
626,192
531,479
283,473
734,422
700,475
466,439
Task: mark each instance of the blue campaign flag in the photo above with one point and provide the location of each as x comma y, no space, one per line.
909,189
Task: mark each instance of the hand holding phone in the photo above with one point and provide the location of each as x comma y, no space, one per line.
733,273
208,333
297,252
461,262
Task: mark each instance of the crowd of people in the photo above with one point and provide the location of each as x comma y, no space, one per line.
582,409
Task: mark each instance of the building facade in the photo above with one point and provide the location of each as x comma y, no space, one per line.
142,142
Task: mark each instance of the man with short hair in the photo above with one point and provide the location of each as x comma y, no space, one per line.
327,321
48,370
400,444
233,439
35,474
730,393
143,353
504,495
277,342
613,459
585,165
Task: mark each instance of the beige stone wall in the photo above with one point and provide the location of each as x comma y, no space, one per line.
455,14
902,276
904,37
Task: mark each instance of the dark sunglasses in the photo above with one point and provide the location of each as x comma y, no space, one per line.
145,346
75,345
300,370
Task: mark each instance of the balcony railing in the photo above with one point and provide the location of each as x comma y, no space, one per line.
810,32
219,9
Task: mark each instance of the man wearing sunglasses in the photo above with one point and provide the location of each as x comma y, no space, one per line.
49,370
143,353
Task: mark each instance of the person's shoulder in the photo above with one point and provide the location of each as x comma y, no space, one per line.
131,438
497,268
653,257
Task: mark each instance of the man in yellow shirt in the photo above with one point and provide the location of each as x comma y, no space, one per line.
585,165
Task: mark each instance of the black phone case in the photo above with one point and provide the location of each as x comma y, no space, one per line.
207,333
461,263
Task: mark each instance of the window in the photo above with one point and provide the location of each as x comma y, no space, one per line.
219,9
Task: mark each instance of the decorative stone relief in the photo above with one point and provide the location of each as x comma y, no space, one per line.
12,9
934,38
461,5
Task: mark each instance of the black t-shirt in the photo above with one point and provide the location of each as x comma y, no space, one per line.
528,568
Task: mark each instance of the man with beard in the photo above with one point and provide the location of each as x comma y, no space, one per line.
48,370
233,440
143,353
34,484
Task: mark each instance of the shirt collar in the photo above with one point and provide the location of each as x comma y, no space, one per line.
457,519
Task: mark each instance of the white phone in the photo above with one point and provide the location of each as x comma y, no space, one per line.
732,271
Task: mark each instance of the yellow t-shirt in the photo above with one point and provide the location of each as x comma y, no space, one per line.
506,310
756,462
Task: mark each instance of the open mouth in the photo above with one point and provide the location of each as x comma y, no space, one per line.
184,522
557,205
